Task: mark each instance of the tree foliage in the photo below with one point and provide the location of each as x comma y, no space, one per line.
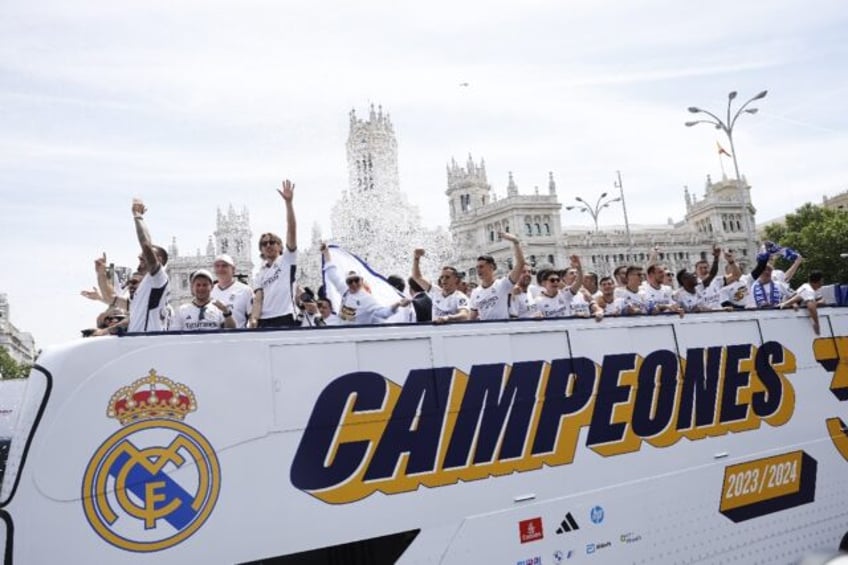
820,235
11,369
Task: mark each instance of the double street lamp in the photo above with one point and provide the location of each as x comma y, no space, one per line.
727,127
595,210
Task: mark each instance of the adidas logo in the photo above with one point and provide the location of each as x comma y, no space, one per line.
568,524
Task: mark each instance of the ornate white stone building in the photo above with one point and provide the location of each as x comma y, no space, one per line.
373,217
232,235
20,345
477,215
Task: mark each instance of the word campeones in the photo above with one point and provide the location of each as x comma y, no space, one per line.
367,433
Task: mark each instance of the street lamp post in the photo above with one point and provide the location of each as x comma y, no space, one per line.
727,128
620,186
595,210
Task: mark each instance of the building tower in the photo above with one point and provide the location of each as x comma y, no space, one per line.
477,216
721,216
373,218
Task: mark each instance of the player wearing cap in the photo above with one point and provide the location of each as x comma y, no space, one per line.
358,306
234,293
202,313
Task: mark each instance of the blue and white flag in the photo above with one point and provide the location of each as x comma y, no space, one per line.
372,281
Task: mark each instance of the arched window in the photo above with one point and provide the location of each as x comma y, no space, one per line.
547,229
491,235
506,228
528,228
551,259
538,229
532,260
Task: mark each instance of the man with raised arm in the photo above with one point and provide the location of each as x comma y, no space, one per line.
273,303
357,305
149,307
490,300
449,303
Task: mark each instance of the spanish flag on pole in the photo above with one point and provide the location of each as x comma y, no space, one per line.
722,150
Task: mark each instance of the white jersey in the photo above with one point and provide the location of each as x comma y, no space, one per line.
580,306
523,306
712,293
239,297
655,297
149,306
492,302
808,293
193,318
690,301
610,308
631,302
446,305
558,306
361,308
276,281
738,293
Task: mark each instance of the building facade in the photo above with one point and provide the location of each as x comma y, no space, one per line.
20,345
232,236
716,217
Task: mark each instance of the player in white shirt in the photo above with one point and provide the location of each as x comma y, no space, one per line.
149,306
490,300
687,297
809,295
449,303
555,302
202,313
522,305
605,298
656,295
769,293
232,292
273,304
632,301
357,306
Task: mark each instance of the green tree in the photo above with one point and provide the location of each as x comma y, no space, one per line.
11,369
820,235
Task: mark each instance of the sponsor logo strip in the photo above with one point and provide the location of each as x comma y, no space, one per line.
763,486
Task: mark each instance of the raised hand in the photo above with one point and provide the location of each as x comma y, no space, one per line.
92,294
138,208
418,253
716,251
508,236
100,264
575,261
287,190
221,306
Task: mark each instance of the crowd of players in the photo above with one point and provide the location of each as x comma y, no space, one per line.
220,300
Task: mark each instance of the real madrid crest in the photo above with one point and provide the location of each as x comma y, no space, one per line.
153,483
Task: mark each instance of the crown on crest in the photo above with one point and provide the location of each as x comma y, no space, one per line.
151,397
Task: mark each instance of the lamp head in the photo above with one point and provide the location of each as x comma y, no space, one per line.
760,96
731,95
693,109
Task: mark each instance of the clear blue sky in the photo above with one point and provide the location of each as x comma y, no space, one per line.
195,105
